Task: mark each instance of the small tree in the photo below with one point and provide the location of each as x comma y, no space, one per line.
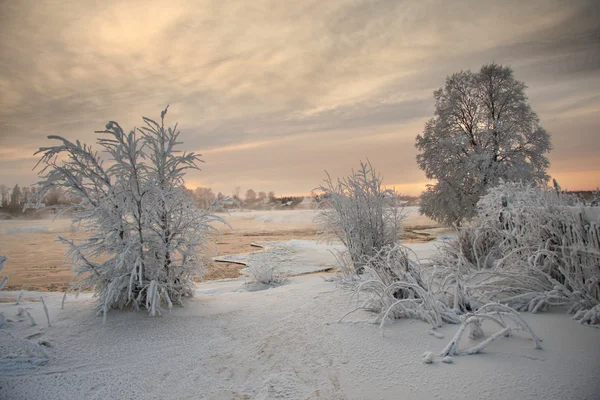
204,197
250,196
26,193
144,233
236,193
4,196
53,197
361,213
484,130
16,197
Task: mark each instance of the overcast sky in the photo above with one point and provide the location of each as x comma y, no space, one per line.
274,92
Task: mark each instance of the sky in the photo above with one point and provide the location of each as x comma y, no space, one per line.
274,93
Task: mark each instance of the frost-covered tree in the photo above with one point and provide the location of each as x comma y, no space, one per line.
483,130
144,234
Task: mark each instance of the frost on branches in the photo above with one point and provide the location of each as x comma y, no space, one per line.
266,266
359,212
531,248
144,234
483,130
394,287
496,313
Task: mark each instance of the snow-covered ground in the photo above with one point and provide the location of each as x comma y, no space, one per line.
283,343
46,225
305,218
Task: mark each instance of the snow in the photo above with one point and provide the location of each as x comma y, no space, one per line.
230,342
27,229
305,218
274,217
302,256
18,226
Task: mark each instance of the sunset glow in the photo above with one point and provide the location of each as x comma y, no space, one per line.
272,93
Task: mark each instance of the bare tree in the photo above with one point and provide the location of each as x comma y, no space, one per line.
26,193
4,193
484,130
236,193
204,197
16,197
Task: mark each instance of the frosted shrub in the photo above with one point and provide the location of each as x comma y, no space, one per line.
347,273
359,212
394,288
144,234
265,266
531,248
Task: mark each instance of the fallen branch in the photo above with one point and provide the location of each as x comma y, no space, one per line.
492,312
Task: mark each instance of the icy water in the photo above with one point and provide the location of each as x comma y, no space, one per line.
34,255
36,260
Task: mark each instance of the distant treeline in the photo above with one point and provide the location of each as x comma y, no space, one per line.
203,197
12,200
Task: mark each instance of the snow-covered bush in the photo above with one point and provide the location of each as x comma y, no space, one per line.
144,234
395,288
360,212
266,266
347,273
531,248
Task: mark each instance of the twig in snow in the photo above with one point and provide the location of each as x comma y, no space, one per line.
24,311
19,298
46,311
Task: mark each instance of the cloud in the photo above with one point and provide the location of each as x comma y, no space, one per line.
275,76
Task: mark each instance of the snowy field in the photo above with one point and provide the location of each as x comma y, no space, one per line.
290,219
282,343
240,220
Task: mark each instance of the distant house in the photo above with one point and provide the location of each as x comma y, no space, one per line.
308,203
